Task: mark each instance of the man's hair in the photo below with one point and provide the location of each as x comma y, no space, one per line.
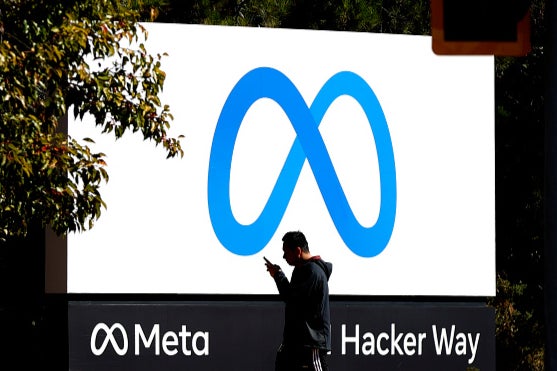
295,239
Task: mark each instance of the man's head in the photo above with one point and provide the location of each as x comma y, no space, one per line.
295,247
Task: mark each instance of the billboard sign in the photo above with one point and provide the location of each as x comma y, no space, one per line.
380,151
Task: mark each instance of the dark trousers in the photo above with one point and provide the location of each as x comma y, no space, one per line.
301,359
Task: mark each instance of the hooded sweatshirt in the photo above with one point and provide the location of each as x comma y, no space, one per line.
307,321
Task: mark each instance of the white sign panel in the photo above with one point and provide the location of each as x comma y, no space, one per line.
380,151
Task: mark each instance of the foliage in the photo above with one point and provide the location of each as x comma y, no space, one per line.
49,61
263,13
388,16
520,126
518,331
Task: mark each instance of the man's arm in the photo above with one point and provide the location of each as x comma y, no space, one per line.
283,285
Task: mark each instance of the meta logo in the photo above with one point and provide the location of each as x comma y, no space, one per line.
272,84
110,337
170,342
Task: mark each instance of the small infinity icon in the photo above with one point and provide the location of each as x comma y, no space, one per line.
269,83
109,331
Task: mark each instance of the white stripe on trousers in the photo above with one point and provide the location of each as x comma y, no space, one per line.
316,360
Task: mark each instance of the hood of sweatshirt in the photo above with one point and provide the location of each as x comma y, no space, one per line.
326,266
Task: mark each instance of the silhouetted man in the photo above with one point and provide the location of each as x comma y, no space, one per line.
307,324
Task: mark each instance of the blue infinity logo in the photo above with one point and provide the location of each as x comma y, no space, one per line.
269,83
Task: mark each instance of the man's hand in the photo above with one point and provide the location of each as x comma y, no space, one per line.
271,268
